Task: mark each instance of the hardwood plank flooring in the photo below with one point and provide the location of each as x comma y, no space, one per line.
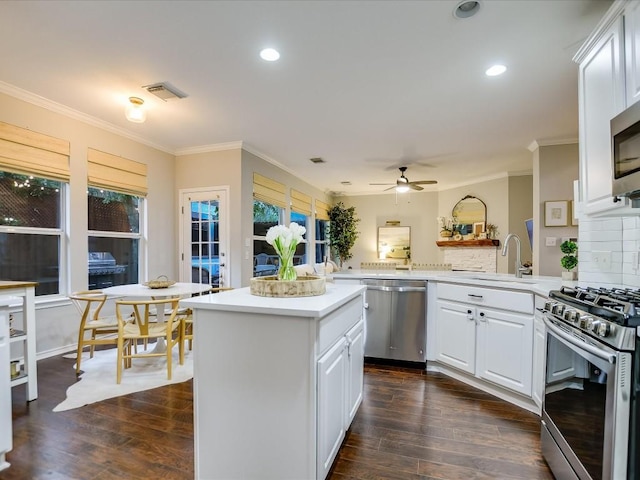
412,425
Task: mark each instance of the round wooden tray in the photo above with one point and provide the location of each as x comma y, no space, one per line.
303,286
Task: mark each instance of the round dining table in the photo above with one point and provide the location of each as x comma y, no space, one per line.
140,290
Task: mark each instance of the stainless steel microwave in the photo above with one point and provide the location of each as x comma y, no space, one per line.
625,144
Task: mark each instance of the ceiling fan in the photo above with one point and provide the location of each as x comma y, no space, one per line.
404,185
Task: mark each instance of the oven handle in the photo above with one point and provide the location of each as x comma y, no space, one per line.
585,346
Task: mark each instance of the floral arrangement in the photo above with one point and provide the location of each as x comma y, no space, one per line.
284,241
447,226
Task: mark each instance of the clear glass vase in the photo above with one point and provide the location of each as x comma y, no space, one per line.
286,270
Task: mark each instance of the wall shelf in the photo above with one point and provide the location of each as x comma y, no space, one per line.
468,243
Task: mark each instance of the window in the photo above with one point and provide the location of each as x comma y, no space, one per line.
31,233
300,257
322,240
265,216
114,238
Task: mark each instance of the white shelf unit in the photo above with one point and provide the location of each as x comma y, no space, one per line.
25,292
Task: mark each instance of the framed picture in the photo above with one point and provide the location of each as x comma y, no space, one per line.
556,214
478,228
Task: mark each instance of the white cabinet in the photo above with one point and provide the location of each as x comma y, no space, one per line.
609,82
539,355
487,333
340,387
632,51
332,404
6,441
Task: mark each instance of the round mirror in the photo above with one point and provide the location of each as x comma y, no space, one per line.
467,212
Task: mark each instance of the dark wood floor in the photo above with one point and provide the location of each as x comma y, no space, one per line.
411,426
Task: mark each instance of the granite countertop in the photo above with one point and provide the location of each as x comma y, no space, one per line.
241,300
540,285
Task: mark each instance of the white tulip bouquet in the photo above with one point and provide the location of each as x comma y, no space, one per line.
285,240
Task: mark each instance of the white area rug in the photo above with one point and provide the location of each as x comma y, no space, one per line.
98,382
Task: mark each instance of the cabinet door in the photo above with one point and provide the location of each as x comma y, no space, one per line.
378,322
632,51
539,350
505,349
6,439
355,375
456,335
332,402
602,96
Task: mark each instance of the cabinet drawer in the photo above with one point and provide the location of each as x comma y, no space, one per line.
337,323
487,297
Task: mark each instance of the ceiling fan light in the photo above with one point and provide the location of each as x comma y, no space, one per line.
135,112
402,188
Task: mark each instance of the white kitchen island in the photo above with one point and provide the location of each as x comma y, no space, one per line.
277,382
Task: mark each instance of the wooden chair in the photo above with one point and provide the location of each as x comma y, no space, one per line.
186,322
144,327
102,330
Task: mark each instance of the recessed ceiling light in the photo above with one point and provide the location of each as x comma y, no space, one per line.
495,70
466,9
269,54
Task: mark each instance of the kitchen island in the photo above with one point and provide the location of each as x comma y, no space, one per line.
277,381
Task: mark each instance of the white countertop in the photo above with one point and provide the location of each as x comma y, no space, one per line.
540,285
241,300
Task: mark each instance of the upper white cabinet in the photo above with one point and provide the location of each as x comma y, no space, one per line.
609,81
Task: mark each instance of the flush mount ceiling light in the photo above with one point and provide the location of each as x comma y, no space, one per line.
135,112
270,54
466,9
495,70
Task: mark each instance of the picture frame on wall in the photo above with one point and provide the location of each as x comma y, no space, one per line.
556,214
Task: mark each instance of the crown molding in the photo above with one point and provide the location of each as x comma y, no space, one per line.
216,147
55,107
533,146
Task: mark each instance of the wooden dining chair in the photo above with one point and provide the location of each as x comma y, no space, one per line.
144,327
186,321
94,329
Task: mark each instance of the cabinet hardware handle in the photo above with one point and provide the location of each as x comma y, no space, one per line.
482,317
616,199
469,312
474,296
366,306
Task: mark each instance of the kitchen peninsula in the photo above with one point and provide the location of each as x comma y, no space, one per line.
277,381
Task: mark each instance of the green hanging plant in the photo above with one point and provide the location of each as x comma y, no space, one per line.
570,259
342,231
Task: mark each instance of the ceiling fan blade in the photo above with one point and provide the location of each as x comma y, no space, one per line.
390,188
413,186
424,182
382,184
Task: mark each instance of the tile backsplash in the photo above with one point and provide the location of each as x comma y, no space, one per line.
609,251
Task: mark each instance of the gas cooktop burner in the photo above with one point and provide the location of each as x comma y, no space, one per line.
618,305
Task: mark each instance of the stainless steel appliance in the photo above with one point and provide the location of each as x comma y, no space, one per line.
590,415
625,143
103,270
395,319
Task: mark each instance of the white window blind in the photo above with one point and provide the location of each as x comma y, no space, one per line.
30,153
269,191
119,174
300,202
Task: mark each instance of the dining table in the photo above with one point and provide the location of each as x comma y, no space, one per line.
140,290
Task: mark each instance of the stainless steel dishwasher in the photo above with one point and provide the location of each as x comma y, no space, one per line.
395,319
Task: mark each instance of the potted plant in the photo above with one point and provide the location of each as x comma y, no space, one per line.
342,231
570,260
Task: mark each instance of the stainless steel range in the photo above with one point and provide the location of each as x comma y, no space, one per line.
591,410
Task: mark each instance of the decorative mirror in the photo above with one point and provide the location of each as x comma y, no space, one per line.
394,243
470,215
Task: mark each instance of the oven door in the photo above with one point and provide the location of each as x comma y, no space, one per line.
585,418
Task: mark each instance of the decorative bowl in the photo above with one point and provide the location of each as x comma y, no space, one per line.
303,286
161,282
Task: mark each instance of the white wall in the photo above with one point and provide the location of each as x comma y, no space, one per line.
556,168
57,326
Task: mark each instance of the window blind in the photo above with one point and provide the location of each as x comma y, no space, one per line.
26,152
300,202
322,210
111,172
269,191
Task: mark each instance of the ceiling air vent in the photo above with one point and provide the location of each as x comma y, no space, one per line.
316,160
164,91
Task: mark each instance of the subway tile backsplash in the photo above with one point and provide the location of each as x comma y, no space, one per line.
620,237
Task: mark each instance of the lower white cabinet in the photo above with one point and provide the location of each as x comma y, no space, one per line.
340,387
493,344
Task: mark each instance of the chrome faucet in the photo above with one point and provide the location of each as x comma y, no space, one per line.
505,248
